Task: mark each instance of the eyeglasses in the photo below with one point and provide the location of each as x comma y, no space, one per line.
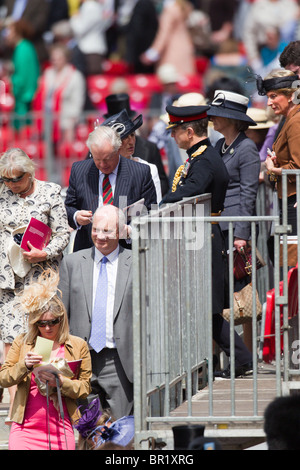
13,180
44,323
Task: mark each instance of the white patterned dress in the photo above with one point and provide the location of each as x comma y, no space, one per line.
45,204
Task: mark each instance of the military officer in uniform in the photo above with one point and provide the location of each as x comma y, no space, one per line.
205,172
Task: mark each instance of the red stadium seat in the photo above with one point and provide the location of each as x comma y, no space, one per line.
35,150
76,150
269,332
82,132
117,68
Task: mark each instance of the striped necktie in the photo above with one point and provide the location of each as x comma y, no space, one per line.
107,191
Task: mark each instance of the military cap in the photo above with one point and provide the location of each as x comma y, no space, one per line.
185,114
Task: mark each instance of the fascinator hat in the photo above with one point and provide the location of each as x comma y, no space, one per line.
230,105
87,422
123,124
275,83
37,295
120,432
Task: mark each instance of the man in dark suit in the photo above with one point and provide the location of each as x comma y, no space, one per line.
112,360
205,172
130,181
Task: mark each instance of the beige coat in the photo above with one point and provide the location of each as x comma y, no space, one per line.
15,372
173,41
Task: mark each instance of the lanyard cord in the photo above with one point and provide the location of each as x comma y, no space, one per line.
61,410
48,421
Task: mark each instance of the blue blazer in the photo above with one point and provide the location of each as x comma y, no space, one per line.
134,181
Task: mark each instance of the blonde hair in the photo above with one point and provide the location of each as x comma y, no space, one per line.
40,297
16,159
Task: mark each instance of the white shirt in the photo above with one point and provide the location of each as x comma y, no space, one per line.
111,269
89,25
155,177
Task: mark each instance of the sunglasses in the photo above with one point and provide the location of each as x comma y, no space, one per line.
44,323
13,180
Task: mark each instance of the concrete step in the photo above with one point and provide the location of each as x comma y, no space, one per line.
4,428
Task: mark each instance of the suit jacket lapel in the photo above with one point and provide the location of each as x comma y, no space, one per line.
92,190
230,152
122,184
124,266
87,270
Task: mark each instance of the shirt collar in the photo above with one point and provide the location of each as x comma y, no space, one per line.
111,256
114,172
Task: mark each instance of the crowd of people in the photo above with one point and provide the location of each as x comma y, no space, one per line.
80,302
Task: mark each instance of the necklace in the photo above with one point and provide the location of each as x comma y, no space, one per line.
225,147
28,189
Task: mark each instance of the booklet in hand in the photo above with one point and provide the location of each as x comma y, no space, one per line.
37,233
59,365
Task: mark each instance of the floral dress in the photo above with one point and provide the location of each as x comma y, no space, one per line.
46,205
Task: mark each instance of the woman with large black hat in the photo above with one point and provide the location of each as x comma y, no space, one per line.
228,113
280,86
126,127
205,172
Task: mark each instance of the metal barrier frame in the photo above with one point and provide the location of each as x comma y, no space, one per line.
142,249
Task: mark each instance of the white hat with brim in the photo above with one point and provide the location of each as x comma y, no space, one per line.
231,106
19,265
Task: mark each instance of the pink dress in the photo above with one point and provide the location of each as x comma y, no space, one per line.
32,434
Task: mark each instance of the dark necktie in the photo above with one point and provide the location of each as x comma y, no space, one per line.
107,194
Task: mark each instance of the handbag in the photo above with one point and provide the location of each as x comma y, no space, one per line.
242,262
242,306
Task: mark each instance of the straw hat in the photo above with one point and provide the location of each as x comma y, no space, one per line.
260,117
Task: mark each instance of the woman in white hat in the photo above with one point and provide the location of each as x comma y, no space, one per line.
228,114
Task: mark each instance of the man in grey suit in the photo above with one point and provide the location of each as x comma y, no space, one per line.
112,366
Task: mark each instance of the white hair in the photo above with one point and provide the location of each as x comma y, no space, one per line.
106,133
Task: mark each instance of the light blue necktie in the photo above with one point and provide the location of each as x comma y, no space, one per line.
98,332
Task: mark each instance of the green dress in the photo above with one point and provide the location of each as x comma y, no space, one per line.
24,78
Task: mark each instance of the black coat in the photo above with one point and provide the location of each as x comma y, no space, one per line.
149,152
207,173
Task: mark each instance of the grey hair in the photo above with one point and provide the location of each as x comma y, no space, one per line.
16,159
104,133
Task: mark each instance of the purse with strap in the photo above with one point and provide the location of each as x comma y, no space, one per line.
242,262
242,306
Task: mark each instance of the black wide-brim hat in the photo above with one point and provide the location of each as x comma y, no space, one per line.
183,114
230,105
122,123
116,103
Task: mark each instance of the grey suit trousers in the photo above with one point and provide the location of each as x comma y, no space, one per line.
110,383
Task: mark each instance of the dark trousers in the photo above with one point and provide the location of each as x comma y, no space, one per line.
221,335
